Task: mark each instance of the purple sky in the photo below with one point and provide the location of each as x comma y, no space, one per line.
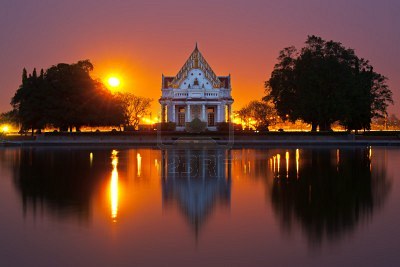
139,40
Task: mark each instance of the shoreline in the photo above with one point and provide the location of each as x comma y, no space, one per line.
194,144
218,139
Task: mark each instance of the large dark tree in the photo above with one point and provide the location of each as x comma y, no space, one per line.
28,103
325,82
65,96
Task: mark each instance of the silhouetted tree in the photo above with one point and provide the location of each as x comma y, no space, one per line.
244,114
325,82
28,104
65,96
134,107
258,114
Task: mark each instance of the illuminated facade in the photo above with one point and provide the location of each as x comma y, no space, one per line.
196,92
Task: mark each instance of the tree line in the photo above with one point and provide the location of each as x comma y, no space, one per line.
320,84
65,96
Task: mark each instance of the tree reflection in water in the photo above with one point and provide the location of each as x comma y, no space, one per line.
60,181
197,181
326,192
334,192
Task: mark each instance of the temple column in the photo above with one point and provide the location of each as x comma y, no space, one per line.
163,113
188,119
223,115
203,112
219,113
173,114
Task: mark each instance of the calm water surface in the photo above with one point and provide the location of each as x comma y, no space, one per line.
177,207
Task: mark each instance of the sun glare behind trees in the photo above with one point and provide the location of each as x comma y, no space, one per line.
113,82
5,129
66,96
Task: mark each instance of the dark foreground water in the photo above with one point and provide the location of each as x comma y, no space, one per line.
241,207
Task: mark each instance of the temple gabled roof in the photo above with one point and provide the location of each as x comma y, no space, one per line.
196,61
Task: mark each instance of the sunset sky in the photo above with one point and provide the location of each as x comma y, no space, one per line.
138,40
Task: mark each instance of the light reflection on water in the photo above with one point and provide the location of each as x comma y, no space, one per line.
297,162
139,164
91,158
258,196
114,186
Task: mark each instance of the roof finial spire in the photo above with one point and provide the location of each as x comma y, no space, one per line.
196,57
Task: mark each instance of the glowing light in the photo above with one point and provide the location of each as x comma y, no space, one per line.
337,156
237,121
5,128
270,163
91,159
149,121
337,159
278,158
139,164
297,162
287,164
370,158
114,186
113,82
156,164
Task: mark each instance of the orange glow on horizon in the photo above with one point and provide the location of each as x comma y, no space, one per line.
141,74
148,121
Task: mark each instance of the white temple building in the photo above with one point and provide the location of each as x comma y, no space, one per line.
196,92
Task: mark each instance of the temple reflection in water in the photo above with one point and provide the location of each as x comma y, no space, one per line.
196,180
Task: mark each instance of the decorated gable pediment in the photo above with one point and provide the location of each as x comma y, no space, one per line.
197,62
